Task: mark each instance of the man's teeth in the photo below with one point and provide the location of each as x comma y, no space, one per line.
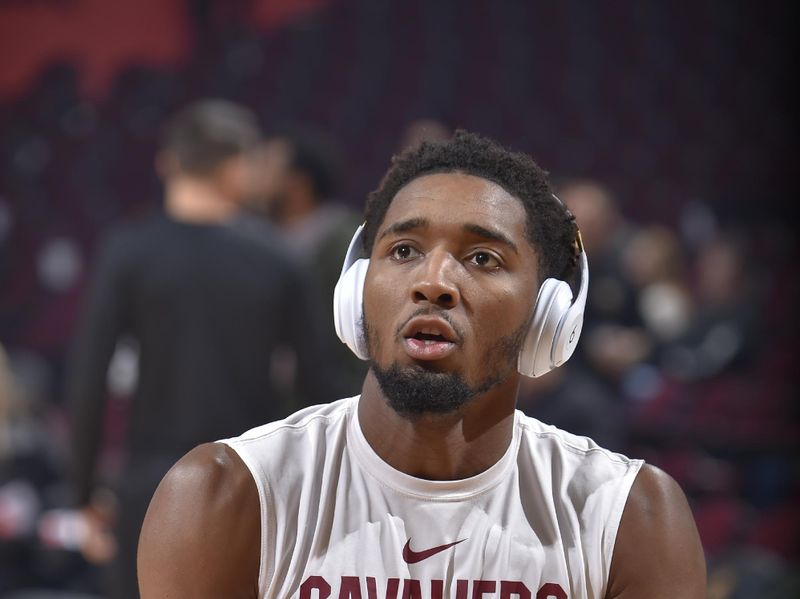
429,336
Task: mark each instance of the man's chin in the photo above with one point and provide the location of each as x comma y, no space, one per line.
415,390
429,366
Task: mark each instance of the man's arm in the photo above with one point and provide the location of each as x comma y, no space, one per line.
104,316
201,537
657,552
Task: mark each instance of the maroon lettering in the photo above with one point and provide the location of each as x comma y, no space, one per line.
513,587
549,590
412,589
315,583
391,588
351,588
482,587
372,588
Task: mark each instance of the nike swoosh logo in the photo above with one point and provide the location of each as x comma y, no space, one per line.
412,557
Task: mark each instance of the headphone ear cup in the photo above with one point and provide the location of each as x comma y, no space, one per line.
348,305
552,305
569,331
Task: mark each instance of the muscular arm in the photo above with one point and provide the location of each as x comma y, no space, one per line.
201,535
658,552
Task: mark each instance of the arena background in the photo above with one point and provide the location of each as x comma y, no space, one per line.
683,109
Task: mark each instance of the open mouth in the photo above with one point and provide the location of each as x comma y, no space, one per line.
429,339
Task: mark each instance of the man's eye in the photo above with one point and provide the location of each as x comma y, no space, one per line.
485,260
403,252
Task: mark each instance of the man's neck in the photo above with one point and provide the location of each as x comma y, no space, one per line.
449,446
197,200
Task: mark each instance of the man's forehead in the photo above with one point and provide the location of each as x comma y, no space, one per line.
456,197
472,186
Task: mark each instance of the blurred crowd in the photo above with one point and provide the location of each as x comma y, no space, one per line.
115,279
686,361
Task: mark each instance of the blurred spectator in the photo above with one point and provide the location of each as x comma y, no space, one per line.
301,175
654,262
30,479
614,338
20,500
722,334
206,306
584,400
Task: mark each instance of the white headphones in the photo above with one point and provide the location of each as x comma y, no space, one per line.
551,339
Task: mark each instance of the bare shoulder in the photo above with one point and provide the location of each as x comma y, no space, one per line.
207,470
201,535
658,551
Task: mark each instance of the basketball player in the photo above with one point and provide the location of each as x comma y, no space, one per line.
430,485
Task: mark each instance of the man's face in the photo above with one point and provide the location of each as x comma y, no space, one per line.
449,291
269,168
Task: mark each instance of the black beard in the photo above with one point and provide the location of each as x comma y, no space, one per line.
414,391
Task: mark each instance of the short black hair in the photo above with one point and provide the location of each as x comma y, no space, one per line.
207,132
550,227
314,153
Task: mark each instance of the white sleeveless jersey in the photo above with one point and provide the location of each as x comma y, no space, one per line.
339,522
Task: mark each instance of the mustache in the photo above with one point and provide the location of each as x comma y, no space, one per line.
432,311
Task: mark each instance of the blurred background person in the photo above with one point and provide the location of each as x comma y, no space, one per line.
27,473
585,395
605,232
206,307
655,263
301,174
615,338
723,330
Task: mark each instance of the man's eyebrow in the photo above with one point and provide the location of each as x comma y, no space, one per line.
403,226
493,235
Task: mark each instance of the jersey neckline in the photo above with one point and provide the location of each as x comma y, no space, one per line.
432,490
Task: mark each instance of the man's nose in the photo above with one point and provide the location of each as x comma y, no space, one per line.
435,280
